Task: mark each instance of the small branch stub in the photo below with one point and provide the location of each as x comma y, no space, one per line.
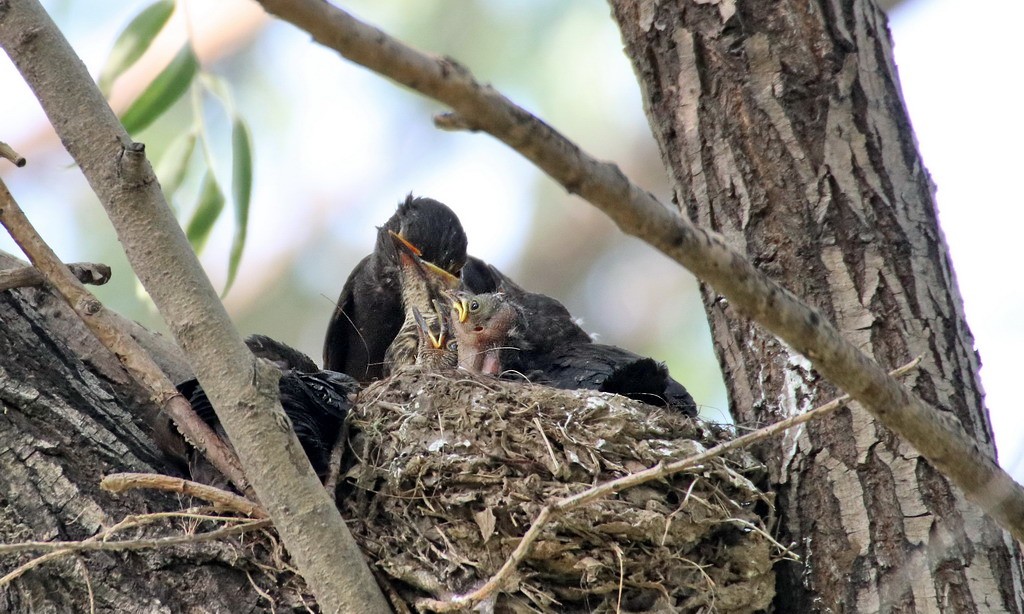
89,306
86,272
6,151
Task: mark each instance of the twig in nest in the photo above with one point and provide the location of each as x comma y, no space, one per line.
556,467
659,471
6,151
86,272
135,359
222,499
397,603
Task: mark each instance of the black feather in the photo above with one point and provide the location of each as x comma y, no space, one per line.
608,368
316,403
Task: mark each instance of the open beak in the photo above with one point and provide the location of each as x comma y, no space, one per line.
437,341
461,307
442,321
408,251
446,278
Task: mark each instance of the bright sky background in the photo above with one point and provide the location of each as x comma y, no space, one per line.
323,186
963,81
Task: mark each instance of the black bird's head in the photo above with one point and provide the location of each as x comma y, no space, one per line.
416,271
484,324
431,229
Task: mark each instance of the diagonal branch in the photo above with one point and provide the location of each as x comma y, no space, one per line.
243,390
936,434
135,360
222,499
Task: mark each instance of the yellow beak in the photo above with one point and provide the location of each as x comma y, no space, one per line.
437,341
447,279
412,248
461,307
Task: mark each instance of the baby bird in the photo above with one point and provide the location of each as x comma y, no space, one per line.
438,352
485,325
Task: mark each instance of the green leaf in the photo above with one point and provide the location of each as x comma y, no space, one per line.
219,88
164,91
174,163
133,41
241,191
211,203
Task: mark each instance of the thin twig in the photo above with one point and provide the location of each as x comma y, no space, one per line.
86,272
936,434
261,592
556,466
6,151
128,522
88,586
567,504
97,542
138,363
120,482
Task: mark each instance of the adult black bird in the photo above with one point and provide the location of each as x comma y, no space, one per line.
518,332
315,401
370,312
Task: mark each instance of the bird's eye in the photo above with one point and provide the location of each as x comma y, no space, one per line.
474,306
453,346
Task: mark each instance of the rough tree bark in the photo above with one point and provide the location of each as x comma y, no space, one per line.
783,128
69,414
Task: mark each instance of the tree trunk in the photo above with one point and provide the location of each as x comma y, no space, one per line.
783,128
68,416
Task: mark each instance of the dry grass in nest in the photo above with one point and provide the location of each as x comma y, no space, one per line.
451,471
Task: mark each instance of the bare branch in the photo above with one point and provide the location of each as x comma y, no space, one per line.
131,355
86,272
94,544
120,482
97,542
244,391
936,434
657,472
8,153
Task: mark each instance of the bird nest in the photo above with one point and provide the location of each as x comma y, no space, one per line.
451,471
